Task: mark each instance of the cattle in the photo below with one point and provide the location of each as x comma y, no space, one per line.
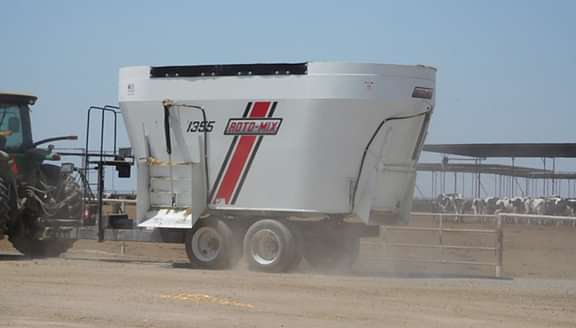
451,203
538,206
478,206
490,204
517,204
561,207
571,204
504,205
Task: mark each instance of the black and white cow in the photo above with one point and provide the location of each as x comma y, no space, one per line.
451,203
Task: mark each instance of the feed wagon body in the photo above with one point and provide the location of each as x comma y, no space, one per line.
290,142
307,141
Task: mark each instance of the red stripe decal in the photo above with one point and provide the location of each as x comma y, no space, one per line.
260,109
239,158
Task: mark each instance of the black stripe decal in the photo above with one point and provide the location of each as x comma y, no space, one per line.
272,109
247,110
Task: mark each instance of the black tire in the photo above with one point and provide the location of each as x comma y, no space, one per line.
67,192
5,207
271,246
212,244
24,237
299,245
35,248
332,253
26,234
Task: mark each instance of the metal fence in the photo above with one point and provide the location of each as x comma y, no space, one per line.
517,218
441,230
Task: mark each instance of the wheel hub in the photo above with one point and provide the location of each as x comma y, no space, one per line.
266,247
206,244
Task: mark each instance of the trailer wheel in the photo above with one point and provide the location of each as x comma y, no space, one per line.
270,246
212,245
336,253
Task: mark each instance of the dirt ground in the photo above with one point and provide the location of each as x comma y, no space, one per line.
93,285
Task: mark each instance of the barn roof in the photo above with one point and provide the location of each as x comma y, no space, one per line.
485,150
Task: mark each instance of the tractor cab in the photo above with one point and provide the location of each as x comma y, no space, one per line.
16,143
15,131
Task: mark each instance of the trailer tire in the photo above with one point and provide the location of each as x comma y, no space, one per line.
213,245
271,246
299,247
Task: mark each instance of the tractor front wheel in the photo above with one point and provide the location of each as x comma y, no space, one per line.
63,211
25,238
35,248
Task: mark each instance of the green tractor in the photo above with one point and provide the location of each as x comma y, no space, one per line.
37,200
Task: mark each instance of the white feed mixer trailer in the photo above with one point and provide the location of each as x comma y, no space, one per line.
274,161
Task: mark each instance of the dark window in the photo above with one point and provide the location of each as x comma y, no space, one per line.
12,133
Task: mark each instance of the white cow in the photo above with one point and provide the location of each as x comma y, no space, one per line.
538,206
451,203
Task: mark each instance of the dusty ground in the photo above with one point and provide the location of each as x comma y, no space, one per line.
79,293
87,289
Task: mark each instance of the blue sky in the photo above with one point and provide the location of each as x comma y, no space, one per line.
506,69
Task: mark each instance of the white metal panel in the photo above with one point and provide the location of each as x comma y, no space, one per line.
310,165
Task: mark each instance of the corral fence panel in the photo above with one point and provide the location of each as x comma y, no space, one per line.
440,224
